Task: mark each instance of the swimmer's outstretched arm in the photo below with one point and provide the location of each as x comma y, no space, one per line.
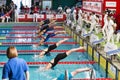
52,22
60,32
41,42
41,32
39,35
41,23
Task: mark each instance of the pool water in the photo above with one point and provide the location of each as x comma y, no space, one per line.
35,71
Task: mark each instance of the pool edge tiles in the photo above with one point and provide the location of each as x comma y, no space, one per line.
111,70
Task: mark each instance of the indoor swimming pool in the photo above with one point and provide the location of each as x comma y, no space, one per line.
28,51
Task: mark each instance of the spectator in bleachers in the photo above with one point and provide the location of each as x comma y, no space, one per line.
59,9
2,9
16,14
36,10
68,12
7,8
65,8
26,9
74,15
13,6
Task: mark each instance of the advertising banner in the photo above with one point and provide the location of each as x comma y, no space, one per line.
111,4
29,16
59,16
50,16
102,62
21,16
119,75
111,70
40,16
92,6
96,56
89,50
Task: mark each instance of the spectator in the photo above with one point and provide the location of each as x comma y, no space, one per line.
68,11
36,10
16,14
15,68
60,9
110,29
13,6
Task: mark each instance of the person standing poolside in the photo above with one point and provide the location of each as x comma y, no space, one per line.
15,68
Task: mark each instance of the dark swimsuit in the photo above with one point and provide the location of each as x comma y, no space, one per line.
58,58
44,27
51,47
48,36
47,21
48,29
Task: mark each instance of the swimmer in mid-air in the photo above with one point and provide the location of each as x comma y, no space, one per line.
59,57
47,21
51,47
44,39
45,28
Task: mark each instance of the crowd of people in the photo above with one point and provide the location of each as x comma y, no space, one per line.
81,20
7,12
10,12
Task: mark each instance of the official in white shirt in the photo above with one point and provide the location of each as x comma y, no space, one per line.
110,31
104,29
74,15
93,20
68,11
80,22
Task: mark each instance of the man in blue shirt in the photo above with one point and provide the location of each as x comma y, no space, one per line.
15,68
